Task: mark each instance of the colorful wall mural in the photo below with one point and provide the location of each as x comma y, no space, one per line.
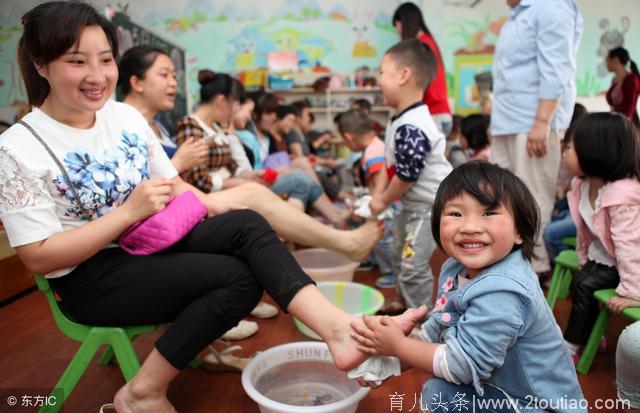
237,35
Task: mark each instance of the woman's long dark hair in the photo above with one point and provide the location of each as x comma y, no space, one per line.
622,55
410,16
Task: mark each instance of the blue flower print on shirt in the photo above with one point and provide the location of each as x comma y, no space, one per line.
134,151
77,165
412,148
104,181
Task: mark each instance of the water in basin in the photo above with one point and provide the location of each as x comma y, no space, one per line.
306,383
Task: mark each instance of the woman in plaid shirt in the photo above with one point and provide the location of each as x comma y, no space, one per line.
226,181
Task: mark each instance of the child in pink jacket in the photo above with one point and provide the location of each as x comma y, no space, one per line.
602,151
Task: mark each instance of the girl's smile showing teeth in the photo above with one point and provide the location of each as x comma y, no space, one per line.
471,245
475,235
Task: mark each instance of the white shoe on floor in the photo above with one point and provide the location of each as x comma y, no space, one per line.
243,330
264,310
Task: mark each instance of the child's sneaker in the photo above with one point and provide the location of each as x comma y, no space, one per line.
386,281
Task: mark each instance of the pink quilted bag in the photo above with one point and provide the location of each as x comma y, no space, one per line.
165,228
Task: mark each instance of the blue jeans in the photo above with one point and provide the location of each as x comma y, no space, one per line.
440,396
298,185
561,226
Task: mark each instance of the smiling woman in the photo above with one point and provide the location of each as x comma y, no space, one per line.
81,80
116,175
70,77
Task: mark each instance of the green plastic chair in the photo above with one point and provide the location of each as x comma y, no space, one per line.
566,265
569,242
117,339
590,350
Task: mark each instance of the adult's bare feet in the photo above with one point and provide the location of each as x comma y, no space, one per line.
340,217
361,241
343,347
344,216
406,320
127,401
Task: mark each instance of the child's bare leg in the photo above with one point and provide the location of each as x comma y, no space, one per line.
147,391
296,226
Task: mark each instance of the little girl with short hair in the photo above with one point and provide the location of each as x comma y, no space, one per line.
602,151
491,340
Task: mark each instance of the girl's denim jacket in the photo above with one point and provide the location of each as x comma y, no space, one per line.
499,329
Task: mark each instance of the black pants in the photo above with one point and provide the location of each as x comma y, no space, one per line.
203,285
584,312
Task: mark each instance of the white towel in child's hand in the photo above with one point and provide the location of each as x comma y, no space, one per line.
362,208
376,369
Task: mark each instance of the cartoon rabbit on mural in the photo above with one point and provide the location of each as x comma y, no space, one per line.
362,29
610,39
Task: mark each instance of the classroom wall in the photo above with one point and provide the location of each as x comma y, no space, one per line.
233,35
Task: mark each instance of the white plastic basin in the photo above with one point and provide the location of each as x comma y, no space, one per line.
325,265
284,371
354,298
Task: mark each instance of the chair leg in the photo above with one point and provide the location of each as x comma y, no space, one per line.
125,354
591,348
107,356
72,374
552,294
196,362
565,284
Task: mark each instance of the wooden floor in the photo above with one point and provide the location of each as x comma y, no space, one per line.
33,355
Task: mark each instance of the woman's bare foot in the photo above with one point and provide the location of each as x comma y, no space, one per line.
343,347
406,320
337,216
343,215
359,242
127,400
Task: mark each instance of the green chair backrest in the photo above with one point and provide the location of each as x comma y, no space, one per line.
69,328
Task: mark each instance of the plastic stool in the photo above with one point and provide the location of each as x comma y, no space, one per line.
566,265
569,242
599,328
